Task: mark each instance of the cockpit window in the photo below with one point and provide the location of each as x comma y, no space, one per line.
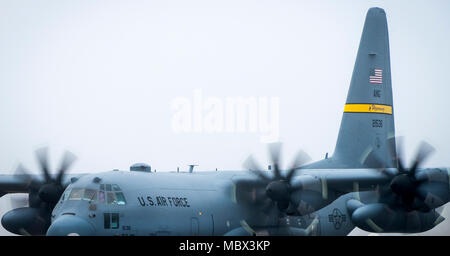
83,194
120,198
111,198
112,194
101,196
108,193
76,194
90,195
65,195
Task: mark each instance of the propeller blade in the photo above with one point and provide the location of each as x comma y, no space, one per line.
26,178
392,149
275,154
371,160
400,166
68,159
424,151
31,184
261,175
300,159
22,174
42,157
251,165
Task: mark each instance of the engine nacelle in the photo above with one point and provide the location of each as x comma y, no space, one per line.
434,189
313,195
380,218
26,221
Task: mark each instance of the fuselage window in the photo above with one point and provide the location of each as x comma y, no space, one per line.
114,220
111,220
107,220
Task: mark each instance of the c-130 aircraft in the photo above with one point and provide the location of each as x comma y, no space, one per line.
364,184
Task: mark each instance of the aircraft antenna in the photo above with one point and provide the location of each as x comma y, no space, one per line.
191,167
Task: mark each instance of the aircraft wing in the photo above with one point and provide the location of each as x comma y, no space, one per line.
350,180
14,183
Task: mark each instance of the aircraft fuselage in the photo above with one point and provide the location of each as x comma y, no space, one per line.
199,203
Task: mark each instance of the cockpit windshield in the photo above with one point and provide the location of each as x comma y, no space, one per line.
83,194
107,194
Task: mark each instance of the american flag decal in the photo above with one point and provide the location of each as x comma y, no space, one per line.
377,77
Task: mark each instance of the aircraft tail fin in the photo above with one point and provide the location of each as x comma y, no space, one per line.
367,130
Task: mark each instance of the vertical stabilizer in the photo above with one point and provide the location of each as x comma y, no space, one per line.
367,128
368,120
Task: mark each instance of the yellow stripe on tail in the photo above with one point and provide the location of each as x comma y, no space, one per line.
368,108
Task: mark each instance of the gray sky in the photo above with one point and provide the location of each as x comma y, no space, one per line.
98,77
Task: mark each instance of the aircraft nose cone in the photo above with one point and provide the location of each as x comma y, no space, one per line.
68,225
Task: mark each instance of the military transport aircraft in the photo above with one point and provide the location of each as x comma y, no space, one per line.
364,184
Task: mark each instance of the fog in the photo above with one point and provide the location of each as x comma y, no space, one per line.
99,78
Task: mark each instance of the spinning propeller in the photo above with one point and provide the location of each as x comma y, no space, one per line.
403,188
50,188
43,195
406,182
273,190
